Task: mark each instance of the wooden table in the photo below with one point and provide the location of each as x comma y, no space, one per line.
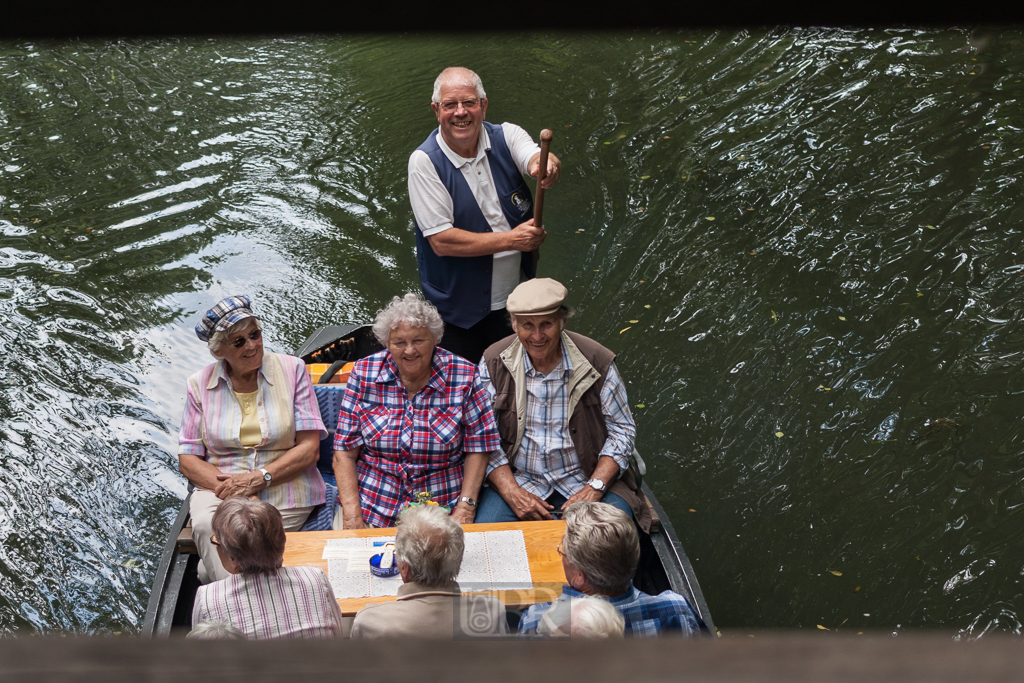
306,548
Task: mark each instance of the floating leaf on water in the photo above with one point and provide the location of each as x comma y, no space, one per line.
692,510
779,434
664,137
834,572
634,321
775,318
640,405
709,218
857,589
621,136
753,253
984,146
822,627
930,227
644,177
845,61
827,388
607,143
842,318
920,294
683,177
646,305
749,209
917,558
625,328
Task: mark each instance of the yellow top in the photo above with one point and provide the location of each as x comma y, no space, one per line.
249,433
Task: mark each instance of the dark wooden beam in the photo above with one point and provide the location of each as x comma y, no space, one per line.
766,658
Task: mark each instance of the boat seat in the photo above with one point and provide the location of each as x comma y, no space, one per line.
185,543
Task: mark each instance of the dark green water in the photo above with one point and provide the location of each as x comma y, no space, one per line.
816,232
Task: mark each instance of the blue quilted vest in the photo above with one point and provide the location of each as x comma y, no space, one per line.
460,287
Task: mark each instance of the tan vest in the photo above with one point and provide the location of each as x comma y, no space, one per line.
590,363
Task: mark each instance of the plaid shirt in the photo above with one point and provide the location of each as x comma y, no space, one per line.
547,459
413,445
645,615
296,602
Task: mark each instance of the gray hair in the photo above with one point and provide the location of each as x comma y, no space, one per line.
215,630
431,543
220,338
251,532
411,309
586,617
458,75
602,541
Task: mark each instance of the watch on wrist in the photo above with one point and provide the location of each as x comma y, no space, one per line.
596,484
266,476
468,501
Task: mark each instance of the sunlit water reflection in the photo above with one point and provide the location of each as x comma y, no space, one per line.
803,244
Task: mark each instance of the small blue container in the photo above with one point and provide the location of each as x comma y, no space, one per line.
383,573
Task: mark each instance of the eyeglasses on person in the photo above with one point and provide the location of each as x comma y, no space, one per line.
471,103
254,335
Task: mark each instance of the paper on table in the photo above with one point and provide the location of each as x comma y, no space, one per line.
493,560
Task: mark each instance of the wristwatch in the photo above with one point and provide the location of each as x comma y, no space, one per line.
266,476
468,501
596,484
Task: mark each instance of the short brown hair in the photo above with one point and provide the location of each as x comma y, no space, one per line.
602,540
252,533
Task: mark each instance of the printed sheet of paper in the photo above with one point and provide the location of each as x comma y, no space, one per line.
494,560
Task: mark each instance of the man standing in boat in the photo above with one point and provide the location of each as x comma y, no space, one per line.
563,417
474,213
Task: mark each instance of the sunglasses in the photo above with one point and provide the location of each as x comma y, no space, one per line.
254,335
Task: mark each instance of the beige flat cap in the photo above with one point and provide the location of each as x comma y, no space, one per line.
539,296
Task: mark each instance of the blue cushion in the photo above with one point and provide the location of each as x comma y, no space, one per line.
328,397
322,516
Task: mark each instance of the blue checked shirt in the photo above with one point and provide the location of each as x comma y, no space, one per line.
646,615
547,459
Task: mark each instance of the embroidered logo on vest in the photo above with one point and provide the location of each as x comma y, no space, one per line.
520,202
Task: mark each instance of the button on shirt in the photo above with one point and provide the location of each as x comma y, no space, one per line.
434,211
547,459
417,444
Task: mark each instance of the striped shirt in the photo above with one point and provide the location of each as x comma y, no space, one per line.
645,615
285,404
296,602
547,459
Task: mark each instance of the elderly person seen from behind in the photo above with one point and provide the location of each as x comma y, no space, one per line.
586,617
251,427
600,552
261,598
429,546
414,418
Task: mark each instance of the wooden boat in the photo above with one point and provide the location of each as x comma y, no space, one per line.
663,562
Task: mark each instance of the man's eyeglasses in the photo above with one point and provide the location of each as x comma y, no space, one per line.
558,549
466,104
213,540
254,335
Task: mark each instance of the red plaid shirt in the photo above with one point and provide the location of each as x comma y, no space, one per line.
413,445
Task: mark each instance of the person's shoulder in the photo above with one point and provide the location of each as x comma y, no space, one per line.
287,361
495,349
667,597
363,366
202,376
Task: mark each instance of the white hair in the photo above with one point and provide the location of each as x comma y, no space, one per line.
458,75
220,338
411,309
431,543
215,630
587,617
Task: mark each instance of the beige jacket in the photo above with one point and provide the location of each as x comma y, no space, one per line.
439,614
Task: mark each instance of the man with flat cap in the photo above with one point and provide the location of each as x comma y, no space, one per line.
563,417
474,213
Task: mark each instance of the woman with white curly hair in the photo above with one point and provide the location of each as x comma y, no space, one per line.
415,418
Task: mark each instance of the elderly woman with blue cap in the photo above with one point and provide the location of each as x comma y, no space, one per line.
251,428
